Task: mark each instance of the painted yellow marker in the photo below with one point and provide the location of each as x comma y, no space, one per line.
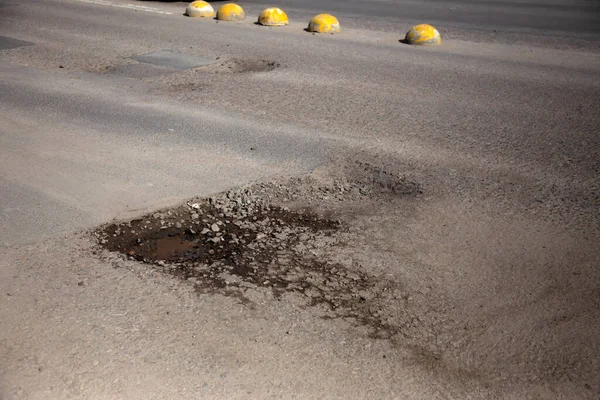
199,9
423,35
273,17
231,12
324,23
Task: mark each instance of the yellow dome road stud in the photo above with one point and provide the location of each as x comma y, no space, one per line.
273,17
199,9
324,23
231,12
424,35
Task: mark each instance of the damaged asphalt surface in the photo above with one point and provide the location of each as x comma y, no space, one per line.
274,214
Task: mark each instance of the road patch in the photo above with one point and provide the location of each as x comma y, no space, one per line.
174,60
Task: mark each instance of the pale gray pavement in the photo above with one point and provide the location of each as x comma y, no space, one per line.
500,127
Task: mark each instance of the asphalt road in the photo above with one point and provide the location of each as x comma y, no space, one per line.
578,18
499,125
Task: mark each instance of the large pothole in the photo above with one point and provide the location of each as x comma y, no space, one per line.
221,243
240,241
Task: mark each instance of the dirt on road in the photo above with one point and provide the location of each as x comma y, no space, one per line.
335,244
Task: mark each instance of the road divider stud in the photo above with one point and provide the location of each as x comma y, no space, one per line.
424,35
273,17
199,9
324,23
231,12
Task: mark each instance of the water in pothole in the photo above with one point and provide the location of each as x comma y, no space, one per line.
237,242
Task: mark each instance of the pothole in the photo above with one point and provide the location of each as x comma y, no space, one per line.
239,241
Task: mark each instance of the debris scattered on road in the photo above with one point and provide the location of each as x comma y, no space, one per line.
194,206
245,240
